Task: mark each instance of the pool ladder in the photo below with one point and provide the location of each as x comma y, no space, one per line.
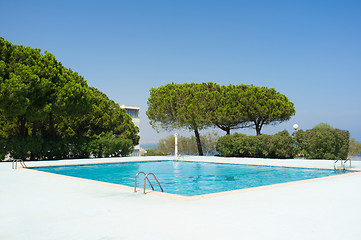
343,165
146,178
15,163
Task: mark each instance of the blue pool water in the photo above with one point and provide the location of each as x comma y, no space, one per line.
190,178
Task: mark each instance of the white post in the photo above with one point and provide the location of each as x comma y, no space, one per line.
176,144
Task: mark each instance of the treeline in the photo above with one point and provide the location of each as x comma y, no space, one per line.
320,142
197,106
48,111
186,145
355,148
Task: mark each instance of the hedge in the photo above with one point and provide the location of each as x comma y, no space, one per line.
37,148
323,143
280,145
316,143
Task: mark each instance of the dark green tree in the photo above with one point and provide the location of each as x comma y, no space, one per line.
104,115
323,142
229,110
263,106
182,106
35,87
198,106
53,110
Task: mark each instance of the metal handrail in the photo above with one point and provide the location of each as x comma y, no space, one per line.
334,164
146,177
343,164
15,163
349,160
135,181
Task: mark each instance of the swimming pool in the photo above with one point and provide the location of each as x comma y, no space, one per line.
188,178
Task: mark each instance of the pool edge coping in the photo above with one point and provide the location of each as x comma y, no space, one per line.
354,171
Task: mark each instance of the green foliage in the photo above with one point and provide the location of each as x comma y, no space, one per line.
3,150
108,145
7,126
279,145
35,87
186,145
37,148
166,145
230,112
323,142
105,115
266,106
209,141
323,126
21,147
48,111
182,106
153,152
56,149
198,106
245,106
355,148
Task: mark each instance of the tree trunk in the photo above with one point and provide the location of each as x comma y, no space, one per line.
198,139
227,129
258,130
35,129
22,127
258,127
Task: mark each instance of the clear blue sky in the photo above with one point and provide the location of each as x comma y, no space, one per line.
308,50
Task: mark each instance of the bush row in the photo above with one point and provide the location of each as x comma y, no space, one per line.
38,148
316,143
280,145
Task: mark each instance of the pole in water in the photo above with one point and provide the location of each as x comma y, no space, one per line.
176,145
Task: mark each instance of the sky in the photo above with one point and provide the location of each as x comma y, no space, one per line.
309,51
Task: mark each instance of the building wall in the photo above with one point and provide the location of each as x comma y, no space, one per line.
133,111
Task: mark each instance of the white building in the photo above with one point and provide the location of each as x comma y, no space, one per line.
133,111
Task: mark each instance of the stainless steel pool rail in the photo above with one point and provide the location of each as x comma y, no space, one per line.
135,181
347,160
15,163
146,178
343,164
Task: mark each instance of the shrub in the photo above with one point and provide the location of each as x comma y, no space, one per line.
227,145
280,145
55,149
38,148
320,142
110,146
3,151
354,148
186,145
24,147
153,152
323,143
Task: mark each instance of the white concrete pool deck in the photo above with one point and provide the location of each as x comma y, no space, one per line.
35,205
